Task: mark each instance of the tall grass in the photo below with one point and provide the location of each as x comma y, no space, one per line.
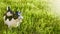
38,18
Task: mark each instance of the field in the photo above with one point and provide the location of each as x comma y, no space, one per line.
38,17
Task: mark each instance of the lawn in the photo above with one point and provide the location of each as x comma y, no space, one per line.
38,17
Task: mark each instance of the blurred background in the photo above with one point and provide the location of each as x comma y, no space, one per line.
40,16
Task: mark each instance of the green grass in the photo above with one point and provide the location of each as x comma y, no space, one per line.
38,18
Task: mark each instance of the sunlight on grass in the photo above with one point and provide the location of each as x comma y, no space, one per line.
56,7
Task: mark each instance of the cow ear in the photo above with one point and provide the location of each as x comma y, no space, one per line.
20,12
8,8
